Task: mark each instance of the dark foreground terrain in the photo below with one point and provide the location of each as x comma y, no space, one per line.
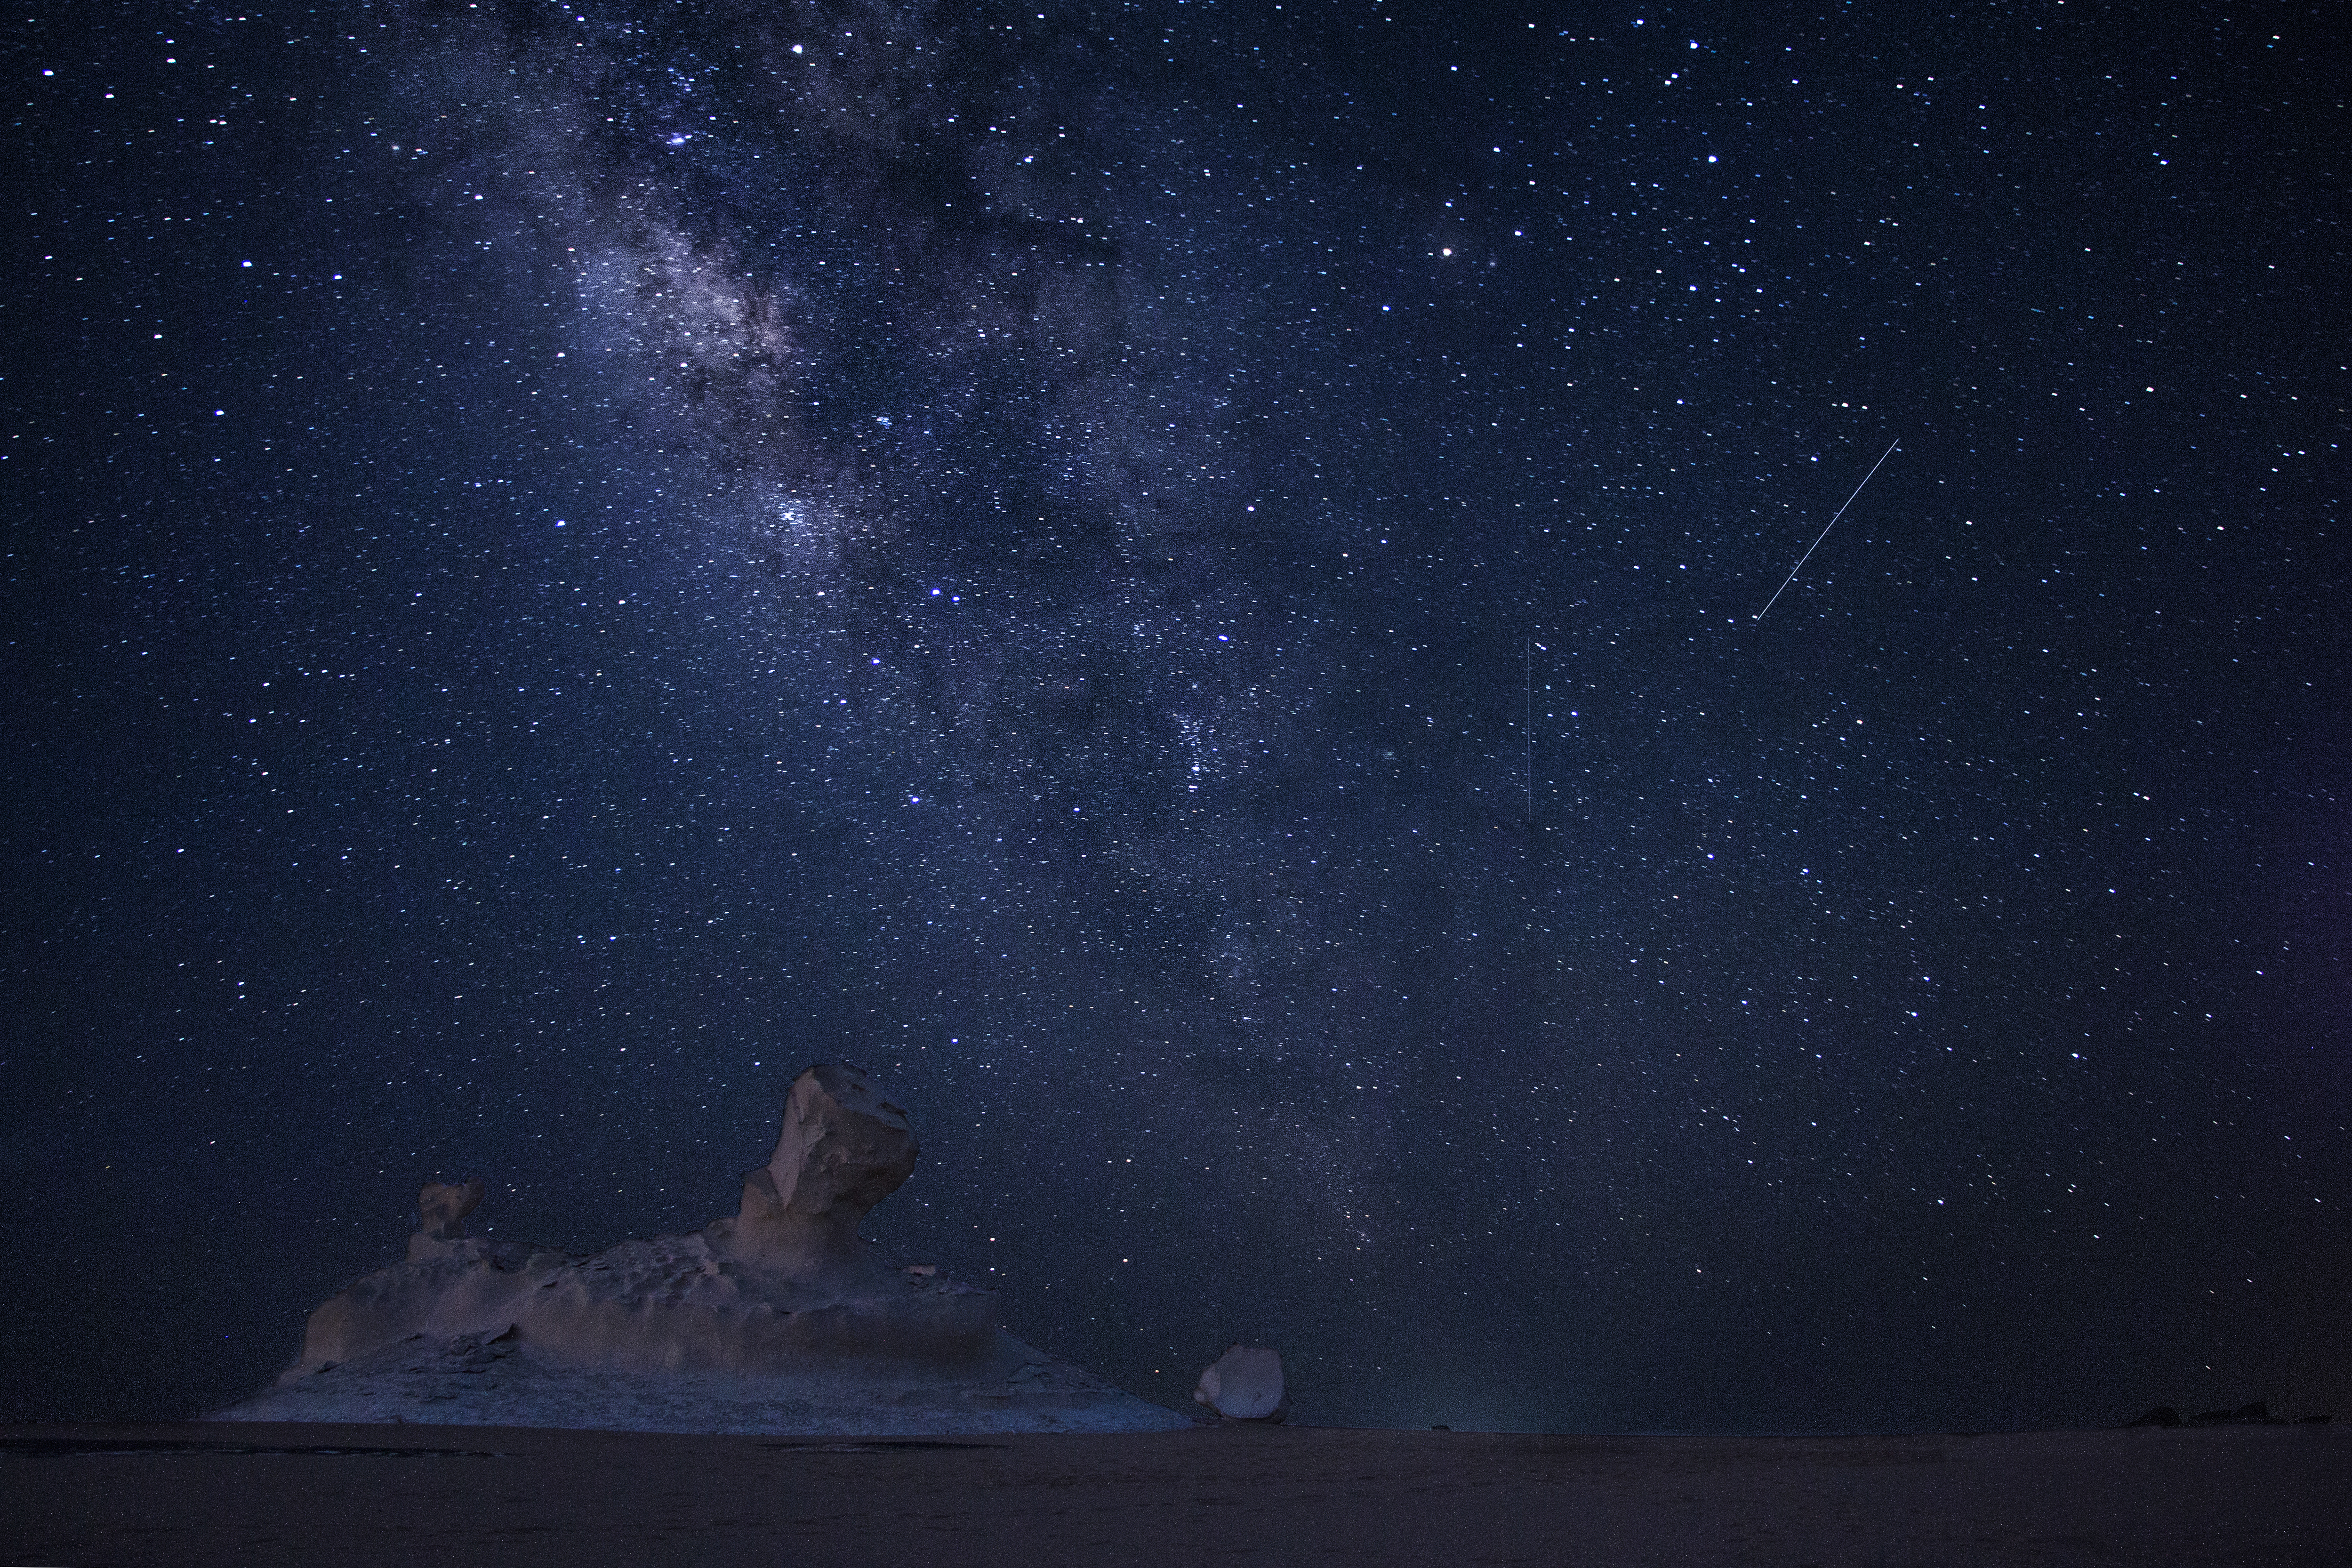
352,1496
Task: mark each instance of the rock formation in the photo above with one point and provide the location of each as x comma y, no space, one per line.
780,1317
441,1211
843,1148
1244,1384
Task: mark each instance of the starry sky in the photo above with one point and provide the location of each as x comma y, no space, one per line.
1181,581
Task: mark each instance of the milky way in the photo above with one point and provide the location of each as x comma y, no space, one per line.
1181,582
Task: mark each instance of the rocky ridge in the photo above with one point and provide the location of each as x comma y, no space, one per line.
778,1319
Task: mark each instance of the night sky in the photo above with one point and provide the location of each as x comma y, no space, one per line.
1180,580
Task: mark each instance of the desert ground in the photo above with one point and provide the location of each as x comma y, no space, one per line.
352,1496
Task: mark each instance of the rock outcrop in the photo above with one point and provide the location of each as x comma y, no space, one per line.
780,1317
843,1148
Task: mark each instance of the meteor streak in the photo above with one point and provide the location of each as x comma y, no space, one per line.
1824,533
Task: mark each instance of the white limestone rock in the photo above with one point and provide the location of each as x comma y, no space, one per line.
843,1148
1244,1384
441,1211
778,1319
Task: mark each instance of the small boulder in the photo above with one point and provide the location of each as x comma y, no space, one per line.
1244,1384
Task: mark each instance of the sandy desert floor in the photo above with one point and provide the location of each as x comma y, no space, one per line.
417,1495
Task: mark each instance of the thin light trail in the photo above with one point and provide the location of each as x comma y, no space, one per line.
1824,533
1533,647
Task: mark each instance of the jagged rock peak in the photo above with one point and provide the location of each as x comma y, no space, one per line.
442,1208
441,1211
843,1148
